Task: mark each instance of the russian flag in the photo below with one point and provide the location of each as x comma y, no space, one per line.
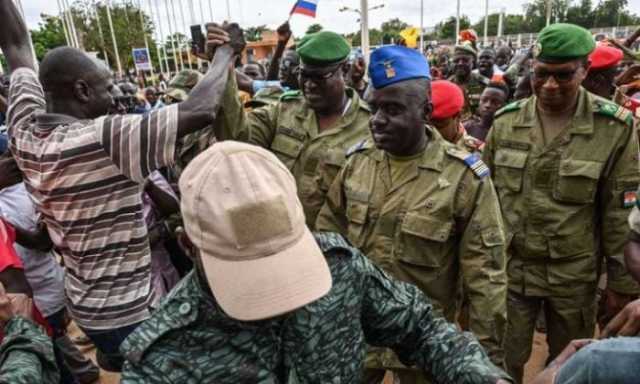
305,7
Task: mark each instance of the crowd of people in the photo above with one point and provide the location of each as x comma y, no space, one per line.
323,217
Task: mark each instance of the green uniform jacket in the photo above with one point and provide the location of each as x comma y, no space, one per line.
290,130
566,204
189,339
440,224
472,90
26,355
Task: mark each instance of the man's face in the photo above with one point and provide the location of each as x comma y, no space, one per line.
288,70
397,121
357,70
503,56
557,84
491,100
253,71
463,64
151,96
101,100
448,128
485,62
322,86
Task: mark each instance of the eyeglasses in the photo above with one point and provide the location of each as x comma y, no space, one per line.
317,78
560,77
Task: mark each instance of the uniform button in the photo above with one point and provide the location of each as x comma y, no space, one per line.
429,204
185,308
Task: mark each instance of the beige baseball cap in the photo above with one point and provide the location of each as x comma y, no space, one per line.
241,210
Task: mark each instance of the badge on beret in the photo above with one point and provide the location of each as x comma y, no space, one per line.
537,49
389,70
629,199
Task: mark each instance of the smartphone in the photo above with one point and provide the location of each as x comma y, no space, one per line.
197,38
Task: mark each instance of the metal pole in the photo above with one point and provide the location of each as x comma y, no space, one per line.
211,10
228,10
486,23
548,2
64,24
104,42
73,25
184,25
176,31
458,22
162,37
158,48
500,23
171,36
113,38
146,41
72,29
33,50
421,26
364,28
192,14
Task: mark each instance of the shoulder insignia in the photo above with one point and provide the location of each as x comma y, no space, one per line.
472,160
515,106
622,114
290,95
359,147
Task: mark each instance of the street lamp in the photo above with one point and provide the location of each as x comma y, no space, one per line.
364,23
349,9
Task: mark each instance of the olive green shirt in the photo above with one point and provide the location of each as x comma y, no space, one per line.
289,129
564,203
441,224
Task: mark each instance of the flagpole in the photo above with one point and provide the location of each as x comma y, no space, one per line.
176,31
458,22
364,26
33,50
155,37
64,25
104,42
171,37
113,38
486,23
210,10
146,42
421,26
184,24
228,10
162,37
70,22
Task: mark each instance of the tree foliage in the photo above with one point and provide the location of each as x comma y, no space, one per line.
447,29
49,35
255,33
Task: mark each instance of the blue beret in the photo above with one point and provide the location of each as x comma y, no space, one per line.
395,63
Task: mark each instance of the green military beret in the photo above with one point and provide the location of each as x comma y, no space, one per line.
563,42
465,48
323,48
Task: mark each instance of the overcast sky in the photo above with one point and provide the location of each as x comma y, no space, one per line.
274,12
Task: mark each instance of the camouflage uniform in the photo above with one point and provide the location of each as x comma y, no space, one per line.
469,143
190,339
472,90
26,355
440,223
565,206
289,129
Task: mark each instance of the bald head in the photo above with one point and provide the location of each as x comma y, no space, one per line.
69,76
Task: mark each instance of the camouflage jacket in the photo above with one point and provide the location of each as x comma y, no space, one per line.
472,90
565,204
289,129
26,355
436,227
190,340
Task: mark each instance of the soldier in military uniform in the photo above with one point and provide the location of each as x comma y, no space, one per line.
448,102
421,208
309,130
493,98
271,303
471,83
564,163
26,352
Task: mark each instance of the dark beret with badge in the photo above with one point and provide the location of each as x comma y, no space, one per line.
323,48
394,63
561,42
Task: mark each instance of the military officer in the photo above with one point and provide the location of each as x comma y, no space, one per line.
309,130
472,83
564,164
448,102
601,78
421,208
269,302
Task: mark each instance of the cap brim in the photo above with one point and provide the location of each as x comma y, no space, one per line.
269,286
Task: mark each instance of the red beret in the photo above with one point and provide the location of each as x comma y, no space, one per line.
604,57
447,99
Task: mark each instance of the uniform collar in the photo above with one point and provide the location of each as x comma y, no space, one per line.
581,124
433,155
355,103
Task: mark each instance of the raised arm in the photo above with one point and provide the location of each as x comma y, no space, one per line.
14,38
284,34
200,109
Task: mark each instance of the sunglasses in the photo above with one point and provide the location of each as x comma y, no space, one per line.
317,78
560,77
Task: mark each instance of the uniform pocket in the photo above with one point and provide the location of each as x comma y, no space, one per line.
287,148
424,240
577,181
572,259
509,168
357,216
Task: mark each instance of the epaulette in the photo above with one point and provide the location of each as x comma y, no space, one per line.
358,147
291,95
515,106
622,114
472,160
